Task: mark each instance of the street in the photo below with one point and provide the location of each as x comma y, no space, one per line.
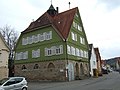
109,81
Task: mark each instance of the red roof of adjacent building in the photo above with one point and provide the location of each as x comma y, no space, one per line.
60,21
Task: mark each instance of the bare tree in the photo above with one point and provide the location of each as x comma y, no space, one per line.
10,36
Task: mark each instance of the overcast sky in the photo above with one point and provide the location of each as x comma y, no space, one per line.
101,19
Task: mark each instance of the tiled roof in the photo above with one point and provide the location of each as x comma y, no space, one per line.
61,21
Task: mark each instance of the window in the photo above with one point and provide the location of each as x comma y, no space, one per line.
68,49
24,67
54,50
18,80
48,35
11,82
74,24
36,66
51,67
58,50
25,41
42,37
37,38
49,52
30,40
81,53
25,55
72,50
74,36
82,40
35,53
77,52
21,55
79,28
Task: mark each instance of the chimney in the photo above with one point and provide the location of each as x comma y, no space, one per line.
57,9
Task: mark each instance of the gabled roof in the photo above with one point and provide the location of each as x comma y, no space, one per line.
4,41
61,21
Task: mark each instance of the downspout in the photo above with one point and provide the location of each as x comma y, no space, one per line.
66,58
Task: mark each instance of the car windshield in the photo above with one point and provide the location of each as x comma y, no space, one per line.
3,80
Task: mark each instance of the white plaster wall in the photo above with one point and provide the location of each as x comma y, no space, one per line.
93,62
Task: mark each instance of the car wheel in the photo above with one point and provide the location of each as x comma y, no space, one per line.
24,88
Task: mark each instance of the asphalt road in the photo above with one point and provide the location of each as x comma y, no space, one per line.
109,81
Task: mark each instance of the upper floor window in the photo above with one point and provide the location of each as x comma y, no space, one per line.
74,24
72,50
74,36
77,26
77,52
82,40
21,55
37,38
68,49
48,35
35,53
54,50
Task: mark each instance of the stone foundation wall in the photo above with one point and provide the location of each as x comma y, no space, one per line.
52,70
49,70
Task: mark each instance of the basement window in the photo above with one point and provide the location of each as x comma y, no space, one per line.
36,66
24,67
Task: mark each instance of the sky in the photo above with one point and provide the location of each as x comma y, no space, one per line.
101,19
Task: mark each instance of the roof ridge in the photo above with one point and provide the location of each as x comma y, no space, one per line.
67,10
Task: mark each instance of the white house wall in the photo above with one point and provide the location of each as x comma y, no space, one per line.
93,62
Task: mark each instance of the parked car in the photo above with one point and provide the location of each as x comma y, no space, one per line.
104,71
13,83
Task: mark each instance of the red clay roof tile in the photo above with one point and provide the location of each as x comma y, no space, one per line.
61,21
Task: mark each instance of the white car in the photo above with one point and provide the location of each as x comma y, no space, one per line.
13,83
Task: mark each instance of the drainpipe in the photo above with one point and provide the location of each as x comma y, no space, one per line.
66,58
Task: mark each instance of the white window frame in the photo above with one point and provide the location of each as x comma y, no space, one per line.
68,49
36,53
54,50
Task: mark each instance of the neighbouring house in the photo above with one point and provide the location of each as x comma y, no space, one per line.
92,60
99,63
114,63
4,55
54,47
